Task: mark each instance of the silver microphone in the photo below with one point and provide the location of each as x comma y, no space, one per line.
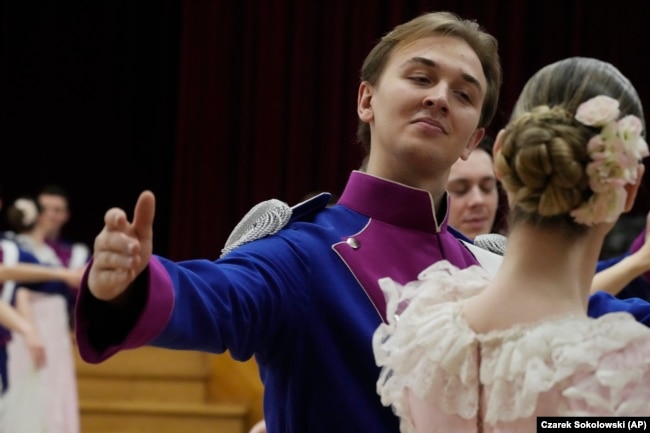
492,242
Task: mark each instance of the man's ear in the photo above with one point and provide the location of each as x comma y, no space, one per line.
364,102
474,140
496,150
633,189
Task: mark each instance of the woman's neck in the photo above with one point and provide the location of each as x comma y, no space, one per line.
543,274
37,235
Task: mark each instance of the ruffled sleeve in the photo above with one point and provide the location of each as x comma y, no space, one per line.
428,337
621,386
532,366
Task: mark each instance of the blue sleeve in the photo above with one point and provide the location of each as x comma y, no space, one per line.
241,302
25,257
601,303
604,264
246,302
51,287
637,288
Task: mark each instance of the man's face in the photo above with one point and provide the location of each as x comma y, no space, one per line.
474,197
424,111
54,212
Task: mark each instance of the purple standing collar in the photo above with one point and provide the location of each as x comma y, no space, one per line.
410,208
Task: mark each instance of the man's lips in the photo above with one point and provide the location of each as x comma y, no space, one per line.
475,221
431,122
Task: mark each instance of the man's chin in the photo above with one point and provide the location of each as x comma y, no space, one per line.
472,232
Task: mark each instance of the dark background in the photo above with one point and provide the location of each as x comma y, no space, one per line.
216,105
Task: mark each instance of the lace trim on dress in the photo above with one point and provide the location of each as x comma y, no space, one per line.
434,352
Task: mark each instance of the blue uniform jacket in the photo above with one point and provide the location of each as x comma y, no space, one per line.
305,302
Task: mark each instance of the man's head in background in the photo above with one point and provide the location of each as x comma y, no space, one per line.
54,202
473,191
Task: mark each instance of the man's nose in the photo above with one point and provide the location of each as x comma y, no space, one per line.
476,196
438,97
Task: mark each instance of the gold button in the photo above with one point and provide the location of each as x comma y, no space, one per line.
353,243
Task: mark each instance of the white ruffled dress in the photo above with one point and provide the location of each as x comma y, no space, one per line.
440,376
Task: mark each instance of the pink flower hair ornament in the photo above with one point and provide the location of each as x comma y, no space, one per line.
615,154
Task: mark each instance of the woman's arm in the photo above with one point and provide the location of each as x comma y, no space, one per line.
20,320
33,273
614,278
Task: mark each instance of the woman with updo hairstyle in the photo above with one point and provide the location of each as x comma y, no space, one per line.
49,311
464,352
542,166
23,214
570,82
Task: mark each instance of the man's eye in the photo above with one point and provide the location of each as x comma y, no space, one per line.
458,192
489,186
464,95
422,79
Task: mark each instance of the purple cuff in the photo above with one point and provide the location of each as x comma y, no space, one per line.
636,246
151,321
